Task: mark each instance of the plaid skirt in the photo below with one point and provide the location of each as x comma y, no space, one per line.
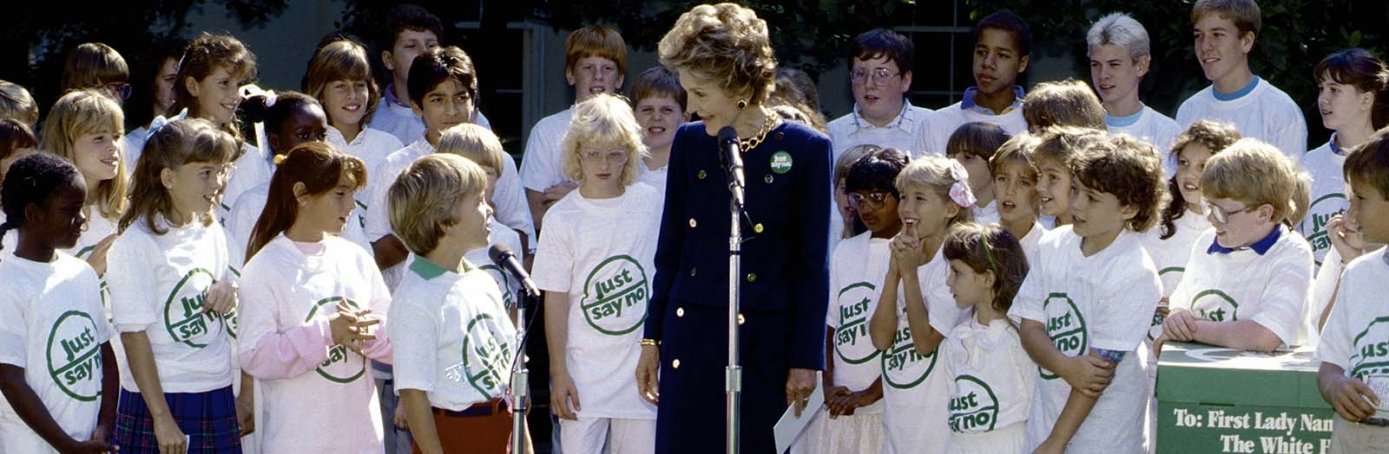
208,418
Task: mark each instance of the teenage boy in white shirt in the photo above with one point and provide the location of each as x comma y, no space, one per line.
1119,58
1002,41
880,73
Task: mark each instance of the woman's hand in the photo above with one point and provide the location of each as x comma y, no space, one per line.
648,369
799,384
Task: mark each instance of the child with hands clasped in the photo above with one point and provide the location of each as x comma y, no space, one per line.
310,300
170,295
1349,378
908,329
51,304
1088,303
453,340
992,376
1249,278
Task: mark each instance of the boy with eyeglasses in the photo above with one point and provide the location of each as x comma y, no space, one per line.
880,73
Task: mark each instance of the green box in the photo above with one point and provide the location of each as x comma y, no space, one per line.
1218,400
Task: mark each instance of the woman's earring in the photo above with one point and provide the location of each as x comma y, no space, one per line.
742,104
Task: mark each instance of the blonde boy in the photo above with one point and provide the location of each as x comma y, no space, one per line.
453,340
482,147
1119,58
1348,379
1249,278
1087,305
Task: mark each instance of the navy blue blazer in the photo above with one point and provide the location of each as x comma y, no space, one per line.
786,240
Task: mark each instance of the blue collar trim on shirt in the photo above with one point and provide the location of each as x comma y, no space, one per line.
896,123
389,96
968,102
1261,247
1238,93
1336,148
1127,120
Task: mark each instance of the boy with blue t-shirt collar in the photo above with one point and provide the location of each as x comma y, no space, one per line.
1225,31
1002,41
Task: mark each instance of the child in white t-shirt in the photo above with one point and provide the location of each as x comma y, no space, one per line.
972,145
56,361
1015,191
658,101
1249,278
595,263
852,421
85,127
847,224
483,148
170,297
1088,303
309,300
1352,345
454,342
915,308
1225,33
1119,50
992,375
1051,157
1351,84
219,64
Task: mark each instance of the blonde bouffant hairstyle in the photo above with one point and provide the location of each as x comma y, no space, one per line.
88,111
726,44
604,122
1256,173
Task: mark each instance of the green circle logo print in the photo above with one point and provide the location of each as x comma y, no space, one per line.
1320,213
974,408
903,366
615,295
854,302
1066,327
504,282
184,317
485,355
1216,306
1370,350
74,356
340,366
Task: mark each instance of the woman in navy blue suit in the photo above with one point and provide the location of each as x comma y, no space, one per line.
726,65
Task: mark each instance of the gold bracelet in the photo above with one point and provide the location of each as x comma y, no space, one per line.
650,342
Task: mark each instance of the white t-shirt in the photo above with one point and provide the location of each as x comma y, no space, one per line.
318,396
1104,301
509,286
98,228
601,253
1271,289
1170,255
915,390
158,285
542,165
942,123
656,178
992,374
54,329
371,146
1328,197
1355,334
452,336
1031,243
856,273
1155,128
252,169
1265,113
901,133
987,214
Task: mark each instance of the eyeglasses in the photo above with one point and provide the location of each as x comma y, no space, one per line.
872,200
879,75
595,156
119,89
1221,215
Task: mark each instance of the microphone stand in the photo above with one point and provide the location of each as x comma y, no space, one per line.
733,374
520,376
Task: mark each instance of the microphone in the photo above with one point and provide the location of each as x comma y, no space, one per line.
506,259
732,160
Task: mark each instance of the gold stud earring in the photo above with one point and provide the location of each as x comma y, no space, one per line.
742,104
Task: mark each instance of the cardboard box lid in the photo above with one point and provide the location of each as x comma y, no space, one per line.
1203,374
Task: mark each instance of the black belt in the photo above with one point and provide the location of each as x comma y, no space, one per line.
488,408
